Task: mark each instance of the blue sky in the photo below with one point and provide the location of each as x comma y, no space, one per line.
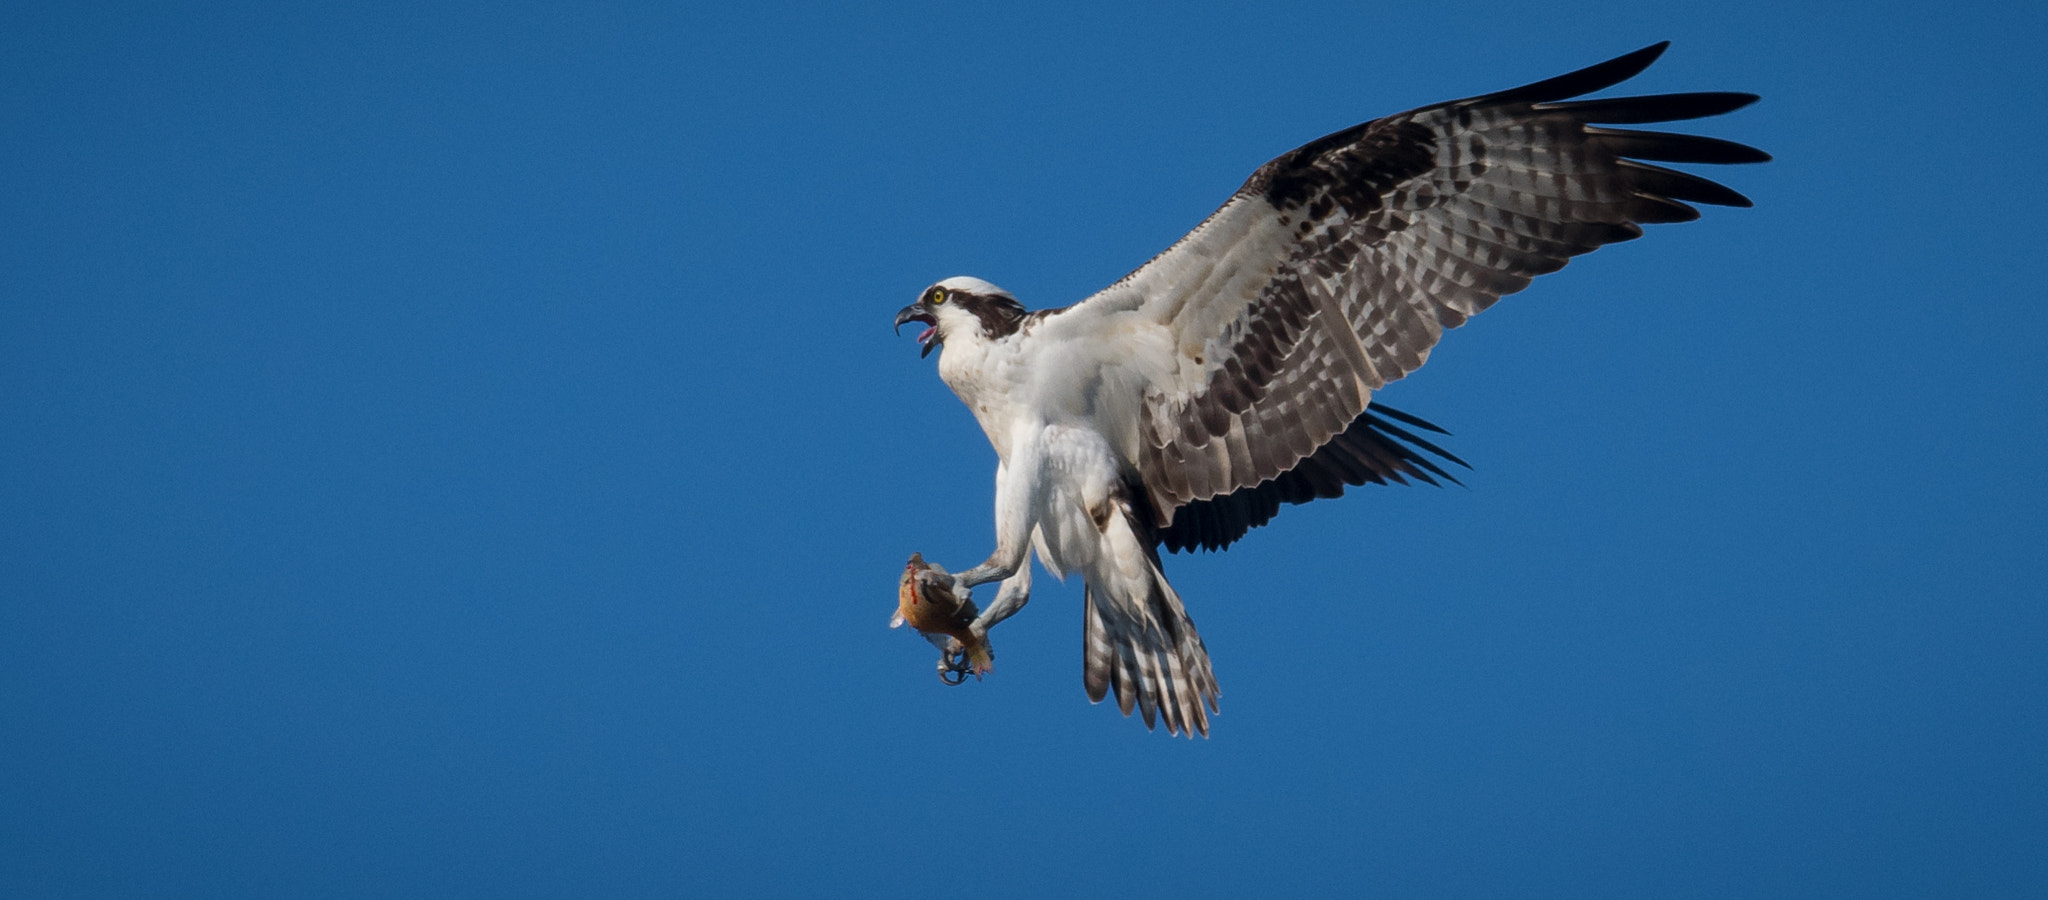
463,451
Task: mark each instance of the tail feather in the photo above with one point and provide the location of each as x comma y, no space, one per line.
1098,654
1148,690
1140,644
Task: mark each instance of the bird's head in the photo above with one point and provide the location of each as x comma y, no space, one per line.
961,306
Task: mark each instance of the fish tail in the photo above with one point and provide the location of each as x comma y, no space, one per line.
981,657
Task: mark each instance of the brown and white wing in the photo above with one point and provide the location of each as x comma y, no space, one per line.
1337,267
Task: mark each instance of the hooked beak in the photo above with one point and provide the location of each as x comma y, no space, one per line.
927,339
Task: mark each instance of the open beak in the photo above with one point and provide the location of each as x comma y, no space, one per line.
927,339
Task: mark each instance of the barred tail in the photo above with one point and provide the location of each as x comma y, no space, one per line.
1139,641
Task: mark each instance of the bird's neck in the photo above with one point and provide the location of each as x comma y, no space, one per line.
990,377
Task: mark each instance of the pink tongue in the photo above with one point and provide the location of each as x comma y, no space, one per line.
926,335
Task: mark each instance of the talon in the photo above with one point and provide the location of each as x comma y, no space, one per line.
953,667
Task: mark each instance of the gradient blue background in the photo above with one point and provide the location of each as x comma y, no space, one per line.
464,452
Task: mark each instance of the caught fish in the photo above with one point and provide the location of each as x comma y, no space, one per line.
925,599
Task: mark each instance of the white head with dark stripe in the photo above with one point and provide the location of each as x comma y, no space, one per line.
962,305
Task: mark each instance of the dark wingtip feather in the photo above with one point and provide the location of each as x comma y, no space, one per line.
1671,184
1379,409
1654,107
1418,459
1651,210
1583,81
1685,148
1407,418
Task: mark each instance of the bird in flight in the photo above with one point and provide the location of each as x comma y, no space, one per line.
1182,405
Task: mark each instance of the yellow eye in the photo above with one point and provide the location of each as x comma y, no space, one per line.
938,296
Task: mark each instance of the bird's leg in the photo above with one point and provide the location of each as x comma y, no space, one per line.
1019,482
1011,597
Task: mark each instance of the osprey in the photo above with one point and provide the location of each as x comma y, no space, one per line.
1182,405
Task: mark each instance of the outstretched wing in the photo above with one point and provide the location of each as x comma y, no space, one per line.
1337,267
